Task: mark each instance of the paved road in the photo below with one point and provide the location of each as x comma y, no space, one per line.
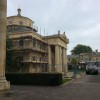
84,88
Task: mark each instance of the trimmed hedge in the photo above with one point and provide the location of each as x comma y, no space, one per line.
43,79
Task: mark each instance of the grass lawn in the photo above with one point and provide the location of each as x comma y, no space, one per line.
66,80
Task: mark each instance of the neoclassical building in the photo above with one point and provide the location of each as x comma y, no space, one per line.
32,52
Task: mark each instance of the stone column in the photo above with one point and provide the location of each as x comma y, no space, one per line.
4,85
57,58
60,58
49,58
64,61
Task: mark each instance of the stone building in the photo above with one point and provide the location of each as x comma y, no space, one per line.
33,52
96,56
83,57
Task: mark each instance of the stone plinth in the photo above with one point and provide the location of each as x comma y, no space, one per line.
4,85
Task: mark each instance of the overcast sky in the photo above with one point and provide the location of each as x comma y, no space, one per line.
80,19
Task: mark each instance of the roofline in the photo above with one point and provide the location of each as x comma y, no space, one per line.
56,36
20,16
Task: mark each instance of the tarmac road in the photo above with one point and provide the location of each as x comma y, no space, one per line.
85,88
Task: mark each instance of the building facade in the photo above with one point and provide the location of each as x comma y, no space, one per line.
83,57
32,52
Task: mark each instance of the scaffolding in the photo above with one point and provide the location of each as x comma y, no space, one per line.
37,46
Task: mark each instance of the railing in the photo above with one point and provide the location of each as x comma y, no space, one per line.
27,47
27,61
35,27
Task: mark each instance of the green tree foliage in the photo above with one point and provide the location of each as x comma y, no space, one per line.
81,49
74,61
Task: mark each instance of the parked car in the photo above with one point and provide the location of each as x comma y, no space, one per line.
91,67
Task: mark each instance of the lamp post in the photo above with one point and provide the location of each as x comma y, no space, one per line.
4,85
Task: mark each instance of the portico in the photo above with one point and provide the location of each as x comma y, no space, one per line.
57,59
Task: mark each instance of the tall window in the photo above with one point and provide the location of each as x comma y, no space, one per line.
21,42
40,59
33,58
34,43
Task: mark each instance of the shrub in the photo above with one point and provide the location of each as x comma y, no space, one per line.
44,79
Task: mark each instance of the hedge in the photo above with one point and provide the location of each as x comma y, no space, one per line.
43,79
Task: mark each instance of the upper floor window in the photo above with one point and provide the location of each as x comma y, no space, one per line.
30,24
20,22
96,59
34,58
34,43
10,22
40,59
21,42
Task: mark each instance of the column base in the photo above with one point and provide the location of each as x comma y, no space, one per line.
4,86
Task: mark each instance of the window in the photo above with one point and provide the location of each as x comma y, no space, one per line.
40,59
21,58
10,22
96,59
33,58
14,43
21,42
30,25
20,22
34,43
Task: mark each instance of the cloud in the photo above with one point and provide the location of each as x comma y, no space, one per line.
80,19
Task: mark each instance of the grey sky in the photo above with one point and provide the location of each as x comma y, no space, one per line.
80,19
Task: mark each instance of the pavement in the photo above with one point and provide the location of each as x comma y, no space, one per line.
85,88
70,74
64,92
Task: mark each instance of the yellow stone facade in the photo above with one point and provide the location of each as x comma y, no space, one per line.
36,53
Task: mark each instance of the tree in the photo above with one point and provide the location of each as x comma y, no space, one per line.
81,49
74,61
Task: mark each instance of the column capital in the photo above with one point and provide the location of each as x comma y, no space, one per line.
64,48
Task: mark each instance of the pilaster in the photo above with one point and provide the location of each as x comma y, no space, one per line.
64,61
60,58
57,58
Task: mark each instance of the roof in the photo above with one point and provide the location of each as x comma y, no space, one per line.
61,36
19,29
19,15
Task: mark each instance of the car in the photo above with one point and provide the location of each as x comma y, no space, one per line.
91,67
